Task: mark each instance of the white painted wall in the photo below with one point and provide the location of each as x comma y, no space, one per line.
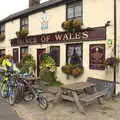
118,45
10,29
95,13
56,17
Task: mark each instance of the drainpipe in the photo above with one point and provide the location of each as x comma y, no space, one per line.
115,39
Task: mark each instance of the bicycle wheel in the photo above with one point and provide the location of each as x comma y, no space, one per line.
4,90
28,96
12,96
43,103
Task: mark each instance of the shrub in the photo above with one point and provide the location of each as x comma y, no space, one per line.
27,64
48,69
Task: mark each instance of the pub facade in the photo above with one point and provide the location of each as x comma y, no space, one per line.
93,42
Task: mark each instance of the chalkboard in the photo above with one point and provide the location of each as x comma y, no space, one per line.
108,86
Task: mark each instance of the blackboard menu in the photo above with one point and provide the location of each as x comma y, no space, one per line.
15,55
97,56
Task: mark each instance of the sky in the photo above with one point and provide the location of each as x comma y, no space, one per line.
8,7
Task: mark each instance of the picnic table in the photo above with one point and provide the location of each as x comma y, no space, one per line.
82,92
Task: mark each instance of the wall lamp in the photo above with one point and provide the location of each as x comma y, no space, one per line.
107,23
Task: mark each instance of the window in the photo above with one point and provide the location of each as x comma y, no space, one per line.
15,55
74,54
55,53
24,23
2,52
23,52
74,10
2,29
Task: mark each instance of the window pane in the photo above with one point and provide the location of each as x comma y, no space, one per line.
74,54
23,52
2,29
70,13
78,11
2,52
55,53
26,21
22,22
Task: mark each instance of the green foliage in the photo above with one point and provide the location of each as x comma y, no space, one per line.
48,63
71,25
73,70
27,64
22,33
67,69
48,69
2,37
112,61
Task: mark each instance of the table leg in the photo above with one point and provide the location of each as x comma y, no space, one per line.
59,95
76,98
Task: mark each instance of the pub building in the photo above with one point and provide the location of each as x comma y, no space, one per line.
93,43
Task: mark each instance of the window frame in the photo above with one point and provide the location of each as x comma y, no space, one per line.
23,20
73,5
57,62
1,50
2,29
24,52
74,44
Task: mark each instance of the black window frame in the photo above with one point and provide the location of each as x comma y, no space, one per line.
2,29
15,55
1,55
73,5
23,24
57,61
74,44
21,56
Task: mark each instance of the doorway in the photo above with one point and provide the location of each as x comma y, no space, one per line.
40,52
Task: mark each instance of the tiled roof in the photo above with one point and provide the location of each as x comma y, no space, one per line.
42,6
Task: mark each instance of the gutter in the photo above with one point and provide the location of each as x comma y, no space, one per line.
115,41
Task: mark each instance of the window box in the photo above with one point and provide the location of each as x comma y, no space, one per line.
2,37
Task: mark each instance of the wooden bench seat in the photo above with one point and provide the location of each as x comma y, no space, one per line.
92,97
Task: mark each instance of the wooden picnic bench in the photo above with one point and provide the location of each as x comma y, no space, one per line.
77,93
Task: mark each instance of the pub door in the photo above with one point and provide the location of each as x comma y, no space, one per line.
40,52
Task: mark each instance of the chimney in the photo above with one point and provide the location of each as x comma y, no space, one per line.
33,3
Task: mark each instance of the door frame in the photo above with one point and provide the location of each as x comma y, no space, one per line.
38,62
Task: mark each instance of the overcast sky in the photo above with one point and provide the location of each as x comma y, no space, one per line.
8,7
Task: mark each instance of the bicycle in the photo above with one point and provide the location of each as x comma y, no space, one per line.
31,92
8,86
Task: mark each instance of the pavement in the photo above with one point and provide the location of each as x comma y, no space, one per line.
65,110
7,112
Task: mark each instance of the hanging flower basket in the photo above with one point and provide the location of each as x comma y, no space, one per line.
71,25
77,70
73,70
2,37
112,61
22,33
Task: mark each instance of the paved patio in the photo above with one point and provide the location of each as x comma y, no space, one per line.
65,110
